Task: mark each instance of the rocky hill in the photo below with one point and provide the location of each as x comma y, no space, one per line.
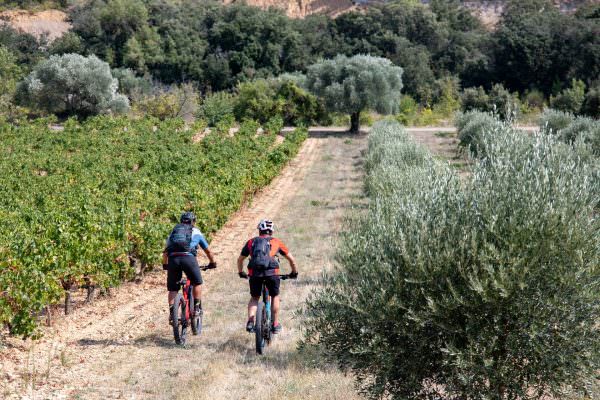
54,22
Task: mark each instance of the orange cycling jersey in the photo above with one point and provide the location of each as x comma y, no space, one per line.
277,248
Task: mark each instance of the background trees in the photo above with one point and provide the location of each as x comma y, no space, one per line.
353,84
72,85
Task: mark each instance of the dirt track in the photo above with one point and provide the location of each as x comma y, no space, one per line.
122,347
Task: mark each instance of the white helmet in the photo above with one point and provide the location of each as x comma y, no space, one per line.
266,225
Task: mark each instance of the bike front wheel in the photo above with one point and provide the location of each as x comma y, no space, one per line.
180,319
260,327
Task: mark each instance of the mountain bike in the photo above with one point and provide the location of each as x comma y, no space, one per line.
183,311
263,323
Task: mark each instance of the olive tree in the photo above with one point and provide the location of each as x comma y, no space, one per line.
72,84
353,84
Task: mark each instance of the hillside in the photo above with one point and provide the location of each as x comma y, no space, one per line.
54,22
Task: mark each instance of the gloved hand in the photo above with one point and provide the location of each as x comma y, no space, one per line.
212,265
293,275
165,266
243,275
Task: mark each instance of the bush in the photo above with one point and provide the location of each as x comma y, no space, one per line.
552,121
571,99
170,102
407,110
505,104
591,104
72,84
131,85
481,290
10,73
256,100
472,126
474,99
217,107
534,99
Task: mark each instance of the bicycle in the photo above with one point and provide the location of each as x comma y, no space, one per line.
263,324
183,311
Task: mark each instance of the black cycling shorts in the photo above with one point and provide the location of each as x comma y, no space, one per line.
179,264
272,283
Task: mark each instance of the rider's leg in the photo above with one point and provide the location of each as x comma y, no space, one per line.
275,309
197,292
172,295
252,306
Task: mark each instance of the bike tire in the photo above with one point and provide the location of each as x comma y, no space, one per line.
196,321
259,327
179,320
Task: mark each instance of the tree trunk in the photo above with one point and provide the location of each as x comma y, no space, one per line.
91,294
68,305
354,122
48,316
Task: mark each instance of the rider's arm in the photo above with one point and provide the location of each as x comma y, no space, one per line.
208,253
292,262
240,263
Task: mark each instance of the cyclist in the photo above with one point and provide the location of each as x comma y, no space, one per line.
264,268
180,256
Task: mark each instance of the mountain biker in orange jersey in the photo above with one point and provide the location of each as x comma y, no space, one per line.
264,267
180,255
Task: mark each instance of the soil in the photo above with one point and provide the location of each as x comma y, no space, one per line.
50,22
121,347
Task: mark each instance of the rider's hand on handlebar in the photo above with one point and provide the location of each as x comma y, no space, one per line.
212,265
243,275
293,275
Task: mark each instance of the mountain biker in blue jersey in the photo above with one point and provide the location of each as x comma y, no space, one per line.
180,255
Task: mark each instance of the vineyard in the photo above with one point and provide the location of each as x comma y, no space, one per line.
90,205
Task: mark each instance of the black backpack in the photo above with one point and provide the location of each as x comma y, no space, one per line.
261,259
180,239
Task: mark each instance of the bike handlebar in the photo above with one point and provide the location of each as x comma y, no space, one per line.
283,277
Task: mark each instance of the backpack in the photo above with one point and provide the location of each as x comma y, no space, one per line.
180,239
261,259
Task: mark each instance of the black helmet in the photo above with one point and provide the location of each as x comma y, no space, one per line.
187,217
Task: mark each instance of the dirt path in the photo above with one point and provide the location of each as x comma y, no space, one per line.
122,346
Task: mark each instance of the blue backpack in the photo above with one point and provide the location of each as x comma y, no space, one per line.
180,239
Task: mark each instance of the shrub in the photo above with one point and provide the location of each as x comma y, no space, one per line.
481,290
552,121
591,104
471,127
570,99
407,110
131,85
257,100
170,102
505,104
217,107
534,99
10,73
72,84
474,99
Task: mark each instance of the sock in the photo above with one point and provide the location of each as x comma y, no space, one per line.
198,304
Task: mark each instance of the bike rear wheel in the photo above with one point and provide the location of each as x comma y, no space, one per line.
196,319
179,319
260,327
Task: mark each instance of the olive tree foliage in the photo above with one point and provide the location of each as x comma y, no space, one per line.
473,290
354,84
72,84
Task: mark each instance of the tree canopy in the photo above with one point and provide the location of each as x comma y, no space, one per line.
353,84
